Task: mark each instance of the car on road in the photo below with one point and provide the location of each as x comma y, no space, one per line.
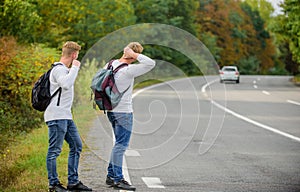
229,73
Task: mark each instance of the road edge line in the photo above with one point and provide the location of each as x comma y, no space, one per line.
249,120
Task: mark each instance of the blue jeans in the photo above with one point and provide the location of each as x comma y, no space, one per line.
122,127
60,130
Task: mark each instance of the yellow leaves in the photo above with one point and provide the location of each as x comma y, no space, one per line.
38,64
23,68
5,154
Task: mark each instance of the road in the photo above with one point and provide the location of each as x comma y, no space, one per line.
200,135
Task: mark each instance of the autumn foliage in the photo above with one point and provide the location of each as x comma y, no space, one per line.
20,67
240,33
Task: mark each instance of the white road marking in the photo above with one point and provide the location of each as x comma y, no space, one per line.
153,182
132,153
266,92
124,167
203,89
255,86
293,102
125,171
255,122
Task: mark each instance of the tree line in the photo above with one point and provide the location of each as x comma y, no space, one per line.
242,33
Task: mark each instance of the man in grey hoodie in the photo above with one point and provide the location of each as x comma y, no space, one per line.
121,117
60,122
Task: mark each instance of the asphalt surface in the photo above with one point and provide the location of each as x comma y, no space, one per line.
219,137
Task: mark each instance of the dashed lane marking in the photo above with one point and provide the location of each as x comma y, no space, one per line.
257,123
153,182
132,153
293,102
266,92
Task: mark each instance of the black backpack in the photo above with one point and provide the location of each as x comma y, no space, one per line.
40,95
104,89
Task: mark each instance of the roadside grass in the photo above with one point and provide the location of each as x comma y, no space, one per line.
296,79
153,82
23,165
146,83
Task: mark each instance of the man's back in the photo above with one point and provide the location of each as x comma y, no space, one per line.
63,77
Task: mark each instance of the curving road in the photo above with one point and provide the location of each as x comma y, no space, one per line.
199,135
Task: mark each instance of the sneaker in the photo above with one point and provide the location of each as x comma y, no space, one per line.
78,187
57,188
109,181
124,185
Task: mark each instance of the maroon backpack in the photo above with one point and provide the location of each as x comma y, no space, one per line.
104,88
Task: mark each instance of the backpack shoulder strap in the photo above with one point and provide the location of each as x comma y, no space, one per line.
110,64
56,64
59,89
118,68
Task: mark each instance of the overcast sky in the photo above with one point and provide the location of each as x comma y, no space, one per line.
276,6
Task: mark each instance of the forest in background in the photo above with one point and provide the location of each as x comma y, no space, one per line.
242,33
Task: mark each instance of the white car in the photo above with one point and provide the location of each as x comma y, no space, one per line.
229,73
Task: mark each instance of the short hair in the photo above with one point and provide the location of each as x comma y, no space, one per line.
136,47
70,47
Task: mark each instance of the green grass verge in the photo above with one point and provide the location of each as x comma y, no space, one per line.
296,79
23,165
152,82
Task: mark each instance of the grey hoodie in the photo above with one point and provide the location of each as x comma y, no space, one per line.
63,77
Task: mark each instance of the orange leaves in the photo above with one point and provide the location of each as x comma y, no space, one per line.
7,51
238,31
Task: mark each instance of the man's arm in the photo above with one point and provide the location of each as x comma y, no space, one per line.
144,65
67,79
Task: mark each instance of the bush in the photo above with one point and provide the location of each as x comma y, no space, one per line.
21,65
249,65
296,79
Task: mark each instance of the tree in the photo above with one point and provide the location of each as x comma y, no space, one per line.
286,29
179,13
291,26
230,26
240,34
82,21
19,18
266,51
264,8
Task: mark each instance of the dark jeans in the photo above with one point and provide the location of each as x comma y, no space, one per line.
60,130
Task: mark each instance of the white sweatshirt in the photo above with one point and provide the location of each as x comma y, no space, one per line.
63,77
125,78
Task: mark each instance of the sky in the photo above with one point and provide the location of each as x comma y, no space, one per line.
276,7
